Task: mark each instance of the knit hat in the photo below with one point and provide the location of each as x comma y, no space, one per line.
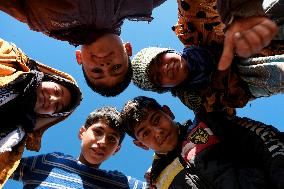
140,65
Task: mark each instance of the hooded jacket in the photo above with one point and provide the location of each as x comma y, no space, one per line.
14,64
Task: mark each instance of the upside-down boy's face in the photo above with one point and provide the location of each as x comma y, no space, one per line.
106,61
169,71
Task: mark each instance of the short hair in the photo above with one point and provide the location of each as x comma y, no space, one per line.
135,111
111,116
114,90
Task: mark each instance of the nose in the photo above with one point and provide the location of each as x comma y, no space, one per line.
164,69
53,99
102,61
104,64
102,140
158,132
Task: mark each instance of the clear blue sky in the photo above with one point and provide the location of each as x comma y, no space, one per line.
63,136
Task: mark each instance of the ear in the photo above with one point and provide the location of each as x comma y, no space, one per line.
81,132
128,48
117,149
78,56
168,111
140,144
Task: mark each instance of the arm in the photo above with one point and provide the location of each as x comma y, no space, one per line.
248,30
24,170
12,59
255,142
157,3
239,9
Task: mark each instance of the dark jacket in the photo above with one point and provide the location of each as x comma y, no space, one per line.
222,153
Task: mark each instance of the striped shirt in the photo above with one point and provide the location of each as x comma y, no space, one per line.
59,171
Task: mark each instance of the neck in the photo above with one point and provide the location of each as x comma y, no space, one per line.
85,162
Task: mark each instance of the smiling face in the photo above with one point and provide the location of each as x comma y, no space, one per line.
51,98
99,142
169,71
105,62
158,131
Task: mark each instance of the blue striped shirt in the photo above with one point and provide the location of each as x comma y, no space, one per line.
60,171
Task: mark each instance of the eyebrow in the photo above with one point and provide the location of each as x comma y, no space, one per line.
62,91
96,78
151,119
113,133
153,116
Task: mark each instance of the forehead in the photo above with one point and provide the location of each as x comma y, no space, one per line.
103,125
52,84
110,81
144,119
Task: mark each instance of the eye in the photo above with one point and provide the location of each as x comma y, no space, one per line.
56,91
112,139
156,77
156,120
98,132
116,67
145,133
56,109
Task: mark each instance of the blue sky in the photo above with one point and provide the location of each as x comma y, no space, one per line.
63,136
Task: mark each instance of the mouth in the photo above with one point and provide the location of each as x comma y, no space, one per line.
164,139
97,152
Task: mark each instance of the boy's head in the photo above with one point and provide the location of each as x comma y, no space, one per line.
150,124
56,96
101,136
158,69
51,98
106,64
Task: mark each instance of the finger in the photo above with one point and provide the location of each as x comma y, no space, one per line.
228,53
242,46
252,40
267,30
271,26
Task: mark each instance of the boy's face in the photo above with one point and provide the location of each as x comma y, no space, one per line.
105,61
51,98
158,131
169,71
99,142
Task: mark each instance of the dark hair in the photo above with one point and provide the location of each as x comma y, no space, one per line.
114,90
135,111
111,116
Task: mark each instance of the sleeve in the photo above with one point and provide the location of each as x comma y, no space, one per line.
254,141
157,3
189,98
230,9
11,58
136,184
24,170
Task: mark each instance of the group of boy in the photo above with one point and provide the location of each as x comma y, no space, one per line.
213,151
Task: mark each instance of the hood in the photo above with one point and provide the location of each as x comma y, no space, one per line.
34,139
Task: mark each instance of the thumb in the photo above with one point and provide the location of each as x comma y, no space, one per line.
228,53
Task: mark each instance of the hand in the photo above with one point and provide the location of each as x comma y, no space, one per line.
147,178
246,37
